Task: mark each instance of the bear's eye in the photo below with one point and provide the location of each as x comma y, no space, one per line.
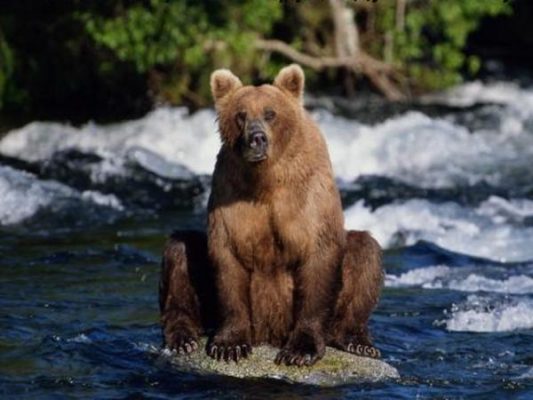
240,118
269,115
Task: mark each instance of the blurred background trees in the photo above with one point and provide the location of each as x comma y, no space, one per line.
93,59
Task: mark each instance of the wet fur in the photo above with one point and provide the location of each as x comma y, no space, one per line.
188,297
276,265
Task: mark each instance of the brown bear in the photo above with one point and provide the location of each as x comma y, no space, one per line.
276,265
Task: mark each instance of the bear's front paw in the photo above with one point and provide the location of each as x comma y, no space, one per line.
303,349
181,340
229,346
358,344
363,350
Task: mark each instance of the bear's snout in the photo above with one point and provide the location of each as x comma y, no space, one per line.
256,141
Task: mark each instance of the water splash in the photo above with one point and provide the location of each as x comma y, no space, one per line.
449,225
486,314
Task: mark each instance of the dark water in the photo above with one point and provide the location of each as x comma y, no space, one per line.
84,215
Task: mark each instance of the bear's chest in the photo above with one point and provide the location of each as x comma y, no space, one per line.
266,237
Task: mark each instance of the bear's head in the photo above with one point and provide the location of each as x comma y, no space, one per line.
258,122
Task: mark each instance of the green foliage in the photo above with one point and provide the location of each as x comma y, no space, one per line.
181,42
148,36
6,67
124,56
9,92
430,48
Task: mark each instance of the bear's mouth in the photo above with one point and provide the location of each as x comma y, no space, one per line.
255,157
256,146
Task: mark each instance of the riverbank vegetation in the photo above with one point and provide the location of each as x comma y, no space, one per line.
119,58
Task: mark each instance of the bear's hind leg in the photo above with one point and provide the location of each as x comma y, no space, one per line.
186,291
362,278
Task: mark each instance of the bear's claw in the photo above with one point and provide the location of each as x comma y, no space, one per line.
299,359
183,344
229,352
363,350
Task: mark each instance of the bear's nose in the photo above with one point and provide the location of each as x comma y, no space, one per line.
258,140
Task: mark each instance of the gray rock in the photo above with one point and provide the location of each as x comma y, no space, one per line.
336,368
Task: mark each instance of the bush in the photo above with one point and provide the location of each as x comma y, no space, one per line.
120,57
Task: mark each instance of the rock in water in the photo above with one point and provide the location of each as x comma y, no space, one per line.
336,368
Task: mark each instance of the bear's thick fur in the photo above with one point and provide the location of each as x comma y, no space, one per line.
276,266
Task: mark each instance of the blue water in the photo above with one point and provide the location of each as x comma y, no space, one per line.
80,250
79,318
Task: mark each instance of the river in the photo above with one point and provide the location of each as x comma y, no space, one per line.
84,212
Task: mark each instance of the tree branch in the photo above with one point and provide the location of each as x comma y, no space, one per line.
377,71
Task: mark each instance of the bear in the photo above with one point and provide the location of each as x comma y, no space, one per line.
276,265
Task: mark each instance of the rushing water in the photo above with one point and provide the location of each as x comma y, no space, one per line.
449,195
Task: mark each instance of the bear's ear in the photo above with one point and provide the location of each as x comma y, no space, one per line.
223,82
291,79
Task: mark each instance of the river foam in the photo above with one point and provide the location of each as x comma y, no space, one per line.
460,279
413,147
23,195
487,314
490,231
169,145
